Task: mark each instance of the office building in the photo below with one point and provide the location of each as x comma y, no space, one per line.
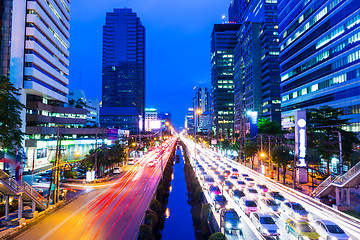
320,57
123,66
5,35
223,42
189,121
256,71
201,102
78,99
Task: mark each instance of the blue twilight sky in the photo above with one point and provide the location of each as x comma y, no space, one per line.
177,48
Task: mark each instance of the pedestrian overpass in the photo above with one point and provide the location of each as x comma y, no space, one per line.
346,181
24,193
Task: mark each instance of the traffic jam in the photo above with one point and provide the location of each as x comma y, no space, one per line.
264,210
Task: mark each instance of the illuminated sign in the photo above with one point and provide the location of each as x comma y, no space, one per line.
300,136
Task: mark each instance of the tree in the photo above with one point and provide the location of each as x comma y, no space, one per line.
324,125
265,126
280,155
11,135
217,236
250,150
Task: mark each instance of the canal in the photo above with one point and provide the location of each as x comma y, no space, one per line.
179,224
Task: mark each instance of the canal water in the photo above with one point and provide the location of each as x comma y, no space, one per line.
179,224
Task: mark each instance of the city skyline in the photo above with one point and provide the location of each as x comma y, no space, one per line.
181,38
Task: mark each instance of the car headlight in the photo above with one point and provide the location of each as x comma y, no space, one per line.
334,238
239,225
228,225
266,232
227,206
217,206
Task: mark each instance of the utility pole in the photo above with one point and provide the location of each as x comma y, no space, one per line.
95,168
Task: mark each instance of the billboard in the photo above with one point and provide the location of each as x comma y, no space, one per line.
41,153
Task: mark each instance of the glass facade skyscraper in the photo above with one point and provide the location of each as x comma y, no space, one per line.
123,81
256,71
223,42
320,57
5,36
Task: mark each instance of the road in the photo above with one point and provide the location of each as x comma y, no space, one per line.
316,209
115,212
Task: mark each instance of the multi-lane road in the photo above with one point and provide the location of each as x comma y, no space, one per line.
113,212
316,209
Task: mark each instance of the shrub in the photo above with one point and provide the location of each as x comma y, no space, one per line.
156,206
217,236
145,233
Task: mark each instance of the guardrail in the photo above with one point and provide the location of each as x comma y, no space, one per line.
322,186
9,181
34,194
347,176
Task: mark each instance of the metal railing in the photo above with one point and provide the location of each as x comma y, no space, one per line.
34,194
323,185
347,176
24,187
7,179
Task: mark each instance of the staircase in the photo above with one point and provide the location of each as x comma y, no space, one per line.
8,186
347,180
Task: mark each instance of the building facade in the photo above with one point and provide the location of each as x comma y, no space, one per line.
189,121
5,36
320,57
123,63
202,102
257,72
223,42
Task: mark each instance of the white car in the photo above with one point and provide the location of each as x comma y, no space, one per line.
329,230
116,170
294,210
240,184
265,224
251,193
268,205
261,188
208,181
249,181
248,205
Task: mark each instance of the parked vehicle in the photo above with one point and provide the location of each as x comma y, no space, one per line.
329,230
301,230
265,224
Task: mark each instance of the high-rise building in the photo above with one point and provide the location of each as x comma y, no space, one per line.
5,35
320,57
123,81
257,72
189,121
223,42
201,102
236,10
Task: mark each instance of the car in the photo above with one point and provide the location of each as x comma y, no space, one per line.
231,221
221,179
234,172
261,188
301,230
116,170
220,202
244,175
217,173
249,182
248,205
294,210
208,181
268,205
329,230
214,190
236,194
233,178
226,173
278,198
251,193
228,185
265,225
240,184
